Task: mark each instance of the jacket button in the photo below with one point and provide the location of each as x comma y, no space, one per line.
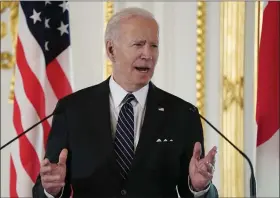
123,192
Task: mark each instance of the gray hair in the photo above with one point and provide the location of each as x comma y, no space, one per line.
111,32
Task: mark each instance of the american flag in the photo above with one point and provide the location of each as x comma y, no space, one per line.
43,75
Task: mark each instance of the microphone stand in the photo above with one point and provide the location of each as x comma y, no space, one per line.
24,132
252,179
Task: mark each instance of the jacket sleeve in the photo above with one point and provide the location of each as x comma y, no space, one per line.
57,140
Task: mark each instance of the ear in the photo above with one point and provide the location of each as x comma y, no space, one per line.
110,50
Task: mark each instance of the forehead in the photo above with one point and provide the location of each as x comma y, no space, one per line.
139,28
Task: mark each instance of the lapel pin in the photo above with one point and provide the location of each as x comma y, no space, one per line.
161,109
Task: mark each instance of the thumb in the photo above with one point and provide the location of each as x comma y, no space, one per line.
197,150
63,157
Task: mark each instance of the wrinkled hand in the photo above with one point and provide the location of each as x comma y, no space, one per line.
53,175
201,170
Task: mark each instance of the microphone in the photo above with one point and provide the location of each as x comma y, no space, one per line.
24,132
252,179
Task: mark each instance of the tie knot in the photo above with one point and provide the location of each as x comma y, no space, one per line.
128,98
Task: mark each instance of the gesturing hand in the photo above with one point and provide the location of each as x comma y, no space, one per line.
53,175
201,170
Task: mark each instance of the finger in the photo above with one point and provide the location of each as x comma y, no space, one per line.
211,155
197,150
212,159
204,166
45,170
54,185
210,167
52,179
63,157
205,174
45,162
53,191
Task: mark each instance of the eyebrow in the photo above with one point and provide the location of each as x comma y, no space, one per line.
143,41
139,41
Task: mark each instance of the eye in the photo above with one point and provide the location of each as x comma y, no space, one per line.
155,46
138,44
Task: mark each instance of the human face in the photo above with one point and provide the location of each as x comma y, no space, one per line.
135,53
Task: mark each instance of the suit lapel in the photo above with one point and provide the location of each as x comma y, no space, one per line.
99,107
153,122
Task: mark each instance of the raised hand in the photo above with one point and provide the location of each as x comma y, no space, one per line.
53,175
201,170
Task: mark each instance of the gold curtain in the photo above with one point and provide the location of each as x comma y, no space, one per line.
232,30
200,57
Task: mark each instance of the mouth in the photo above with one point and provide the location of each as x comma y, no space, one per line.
142,69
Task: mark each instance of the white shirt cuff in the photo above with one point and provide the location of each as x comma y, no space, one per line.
195,193
50,196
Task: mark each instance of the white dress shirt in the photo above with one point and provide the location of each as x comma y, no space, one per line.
117,94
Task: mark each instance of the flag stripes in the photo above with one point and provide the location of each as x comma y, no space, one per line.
43,76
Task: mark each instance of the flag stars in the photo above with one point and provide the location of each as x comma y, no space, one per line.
47,2
65,6
47,23
46,45
35,16
63,28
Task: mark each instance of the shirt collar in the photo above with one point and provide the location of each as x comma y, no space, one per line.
118,93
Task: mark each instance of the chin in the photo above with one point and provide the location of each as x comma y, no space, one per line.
143,82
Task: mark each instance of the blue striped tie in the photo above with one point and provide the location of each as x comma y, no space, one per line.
124,139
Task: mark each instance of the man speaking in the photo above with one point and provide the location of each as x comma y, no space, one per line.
125,137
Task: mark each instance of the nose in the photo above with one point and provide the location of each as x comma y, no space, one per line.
147,52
